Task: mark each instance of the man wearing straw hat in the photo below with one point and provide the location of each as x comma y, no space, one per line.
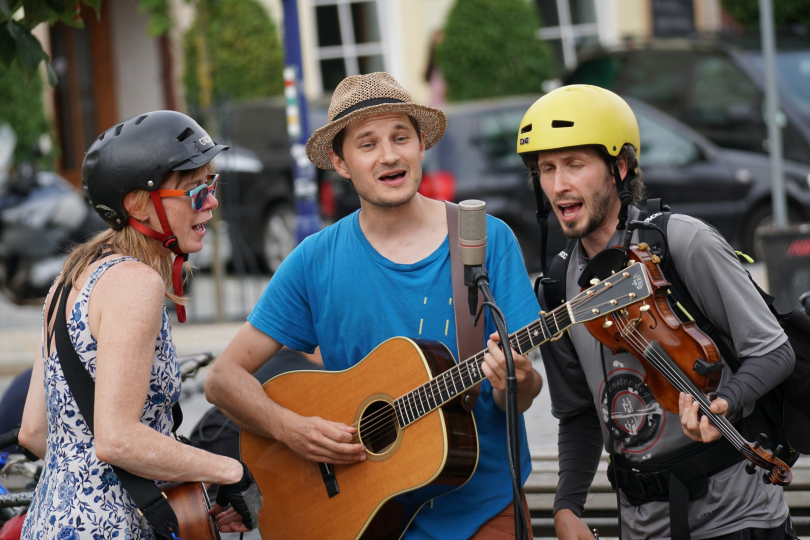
381,272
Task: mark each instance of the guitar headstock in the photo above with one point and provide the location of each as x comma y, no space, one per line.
617,291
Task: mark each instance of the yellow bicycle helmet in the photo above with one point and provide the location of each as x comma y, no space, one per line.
578,115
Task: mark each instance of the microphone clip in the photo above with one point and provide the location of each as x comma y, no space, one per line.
473,277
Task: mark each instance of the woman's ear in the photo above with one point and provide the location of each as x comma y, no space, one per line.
135,211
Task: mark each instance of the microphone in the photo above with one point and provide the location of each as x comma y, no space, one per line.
472,245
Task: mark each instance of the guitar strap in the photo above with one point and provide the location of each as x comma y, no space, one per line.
144,493
469,338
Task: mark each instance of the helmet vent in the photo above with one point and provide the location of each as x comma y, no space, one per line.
188,132
118,129
141,119
526,129
101,137
561,124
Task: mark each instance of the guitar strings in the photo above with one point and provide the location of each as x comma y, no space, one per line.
378,424
679,379
409,404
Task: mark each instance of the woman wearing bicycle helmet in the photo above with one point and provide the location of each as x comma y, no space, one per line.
150,178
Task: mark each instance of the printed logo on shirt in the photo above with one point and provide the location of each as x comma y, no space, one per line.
630,411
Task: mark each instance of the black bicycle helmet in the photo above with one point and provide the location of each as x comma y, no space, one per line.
137,153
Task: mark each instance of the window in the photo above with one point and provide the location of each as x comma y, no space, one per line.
658,78
497,137
349,39
661,146
722,95
569,27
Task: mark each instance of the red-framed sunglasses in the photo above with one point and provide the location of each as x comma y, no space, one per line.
199,195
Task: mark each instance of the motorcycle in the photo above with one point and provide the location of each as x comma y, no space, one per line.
41,216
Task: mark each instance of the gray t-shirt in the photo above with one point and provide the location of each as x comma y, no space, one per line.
642,429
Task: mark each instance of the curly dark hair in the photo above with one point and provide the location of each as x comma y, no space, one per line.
634,180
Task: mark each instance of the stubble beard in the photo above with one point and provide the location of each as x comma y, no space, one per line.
600,205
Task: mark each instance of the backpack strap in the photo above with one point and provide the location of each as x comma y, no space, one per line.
554,281
146,495
469,338
688,309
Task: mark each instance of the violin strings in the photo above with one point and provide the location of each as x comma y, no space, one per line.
663,366
720,422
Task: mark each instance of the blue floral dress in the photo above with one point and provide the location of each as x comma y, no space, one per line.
78,496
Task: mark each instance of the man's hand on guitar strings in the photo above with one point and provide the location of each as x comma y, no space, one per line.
698,427
319,440
229,520
494,366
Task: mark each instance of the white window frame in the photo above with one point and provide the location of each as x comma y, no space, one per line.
567,32
349,50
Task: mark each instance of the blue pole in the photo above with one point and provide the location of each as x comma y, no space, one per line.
305,186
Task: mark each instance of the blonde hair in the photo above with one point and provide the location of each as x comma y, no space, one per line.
131,243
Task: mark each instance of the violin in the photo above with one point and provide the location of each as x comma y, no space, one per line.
677,357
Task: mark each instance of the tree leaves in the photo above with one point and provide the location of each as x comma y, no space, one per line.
490,48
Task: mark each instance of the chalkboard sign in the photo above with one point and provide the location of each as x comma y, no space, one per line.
673,18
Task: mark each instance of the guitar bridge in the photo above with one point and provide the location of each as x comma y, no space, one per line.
329,479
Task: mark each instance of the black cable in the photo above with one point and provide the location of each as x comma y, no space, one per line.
610,435
512,422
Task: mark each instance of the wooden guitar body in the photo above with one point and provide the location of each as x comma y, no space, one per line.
190,503
404,468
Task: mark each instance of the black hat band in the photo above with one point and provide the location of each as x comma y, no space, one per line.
364,104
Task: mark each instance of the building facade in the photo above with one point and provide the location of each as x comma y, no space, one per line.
112,69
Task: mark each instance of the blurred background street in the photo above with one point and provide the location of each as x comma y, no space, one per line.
258,75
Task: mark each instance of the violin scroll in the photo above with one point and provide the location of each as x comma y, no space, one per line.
777,471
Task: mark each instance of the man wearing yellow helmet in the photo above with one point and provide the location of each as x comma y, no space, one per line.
581,144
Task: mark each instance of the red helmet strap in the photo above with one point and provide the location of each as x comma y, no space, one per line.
169,241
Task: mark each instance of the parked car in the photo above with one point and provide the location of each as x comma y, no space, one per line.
257,195
730,189
714,86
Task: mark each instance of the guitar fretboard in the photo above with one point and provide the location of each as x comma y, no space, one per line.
447,385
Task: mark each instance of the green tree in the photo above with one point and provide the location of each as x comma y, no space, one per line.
21,107
490,48
245,55
18,17
785,12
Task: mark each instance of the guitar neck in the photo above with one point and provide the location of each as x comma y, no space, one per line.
447,385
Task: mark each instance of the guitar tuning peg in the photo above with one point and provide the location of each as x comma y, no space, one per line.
766,478
762,440
777,450
749,468
607,323
595,281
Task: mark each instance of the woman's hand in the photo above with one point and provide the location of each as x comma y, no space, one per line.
699,429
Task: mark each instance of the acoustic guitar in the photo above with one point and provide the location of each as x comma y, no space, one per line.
190,503
420,442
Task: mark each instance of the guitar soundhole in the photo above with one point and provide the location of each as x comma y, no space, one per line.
378,427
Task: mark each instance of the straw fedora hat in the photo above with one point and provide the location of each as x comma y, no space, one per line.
360,96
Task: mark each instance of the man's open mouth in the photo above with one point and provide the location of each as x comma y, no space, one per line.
569,210
199,227
396,175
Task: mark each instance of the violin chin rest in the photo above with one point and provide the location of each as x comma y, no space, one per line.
603,265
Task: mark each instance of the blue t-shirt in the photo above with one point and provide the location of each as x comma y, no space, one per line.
335,290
